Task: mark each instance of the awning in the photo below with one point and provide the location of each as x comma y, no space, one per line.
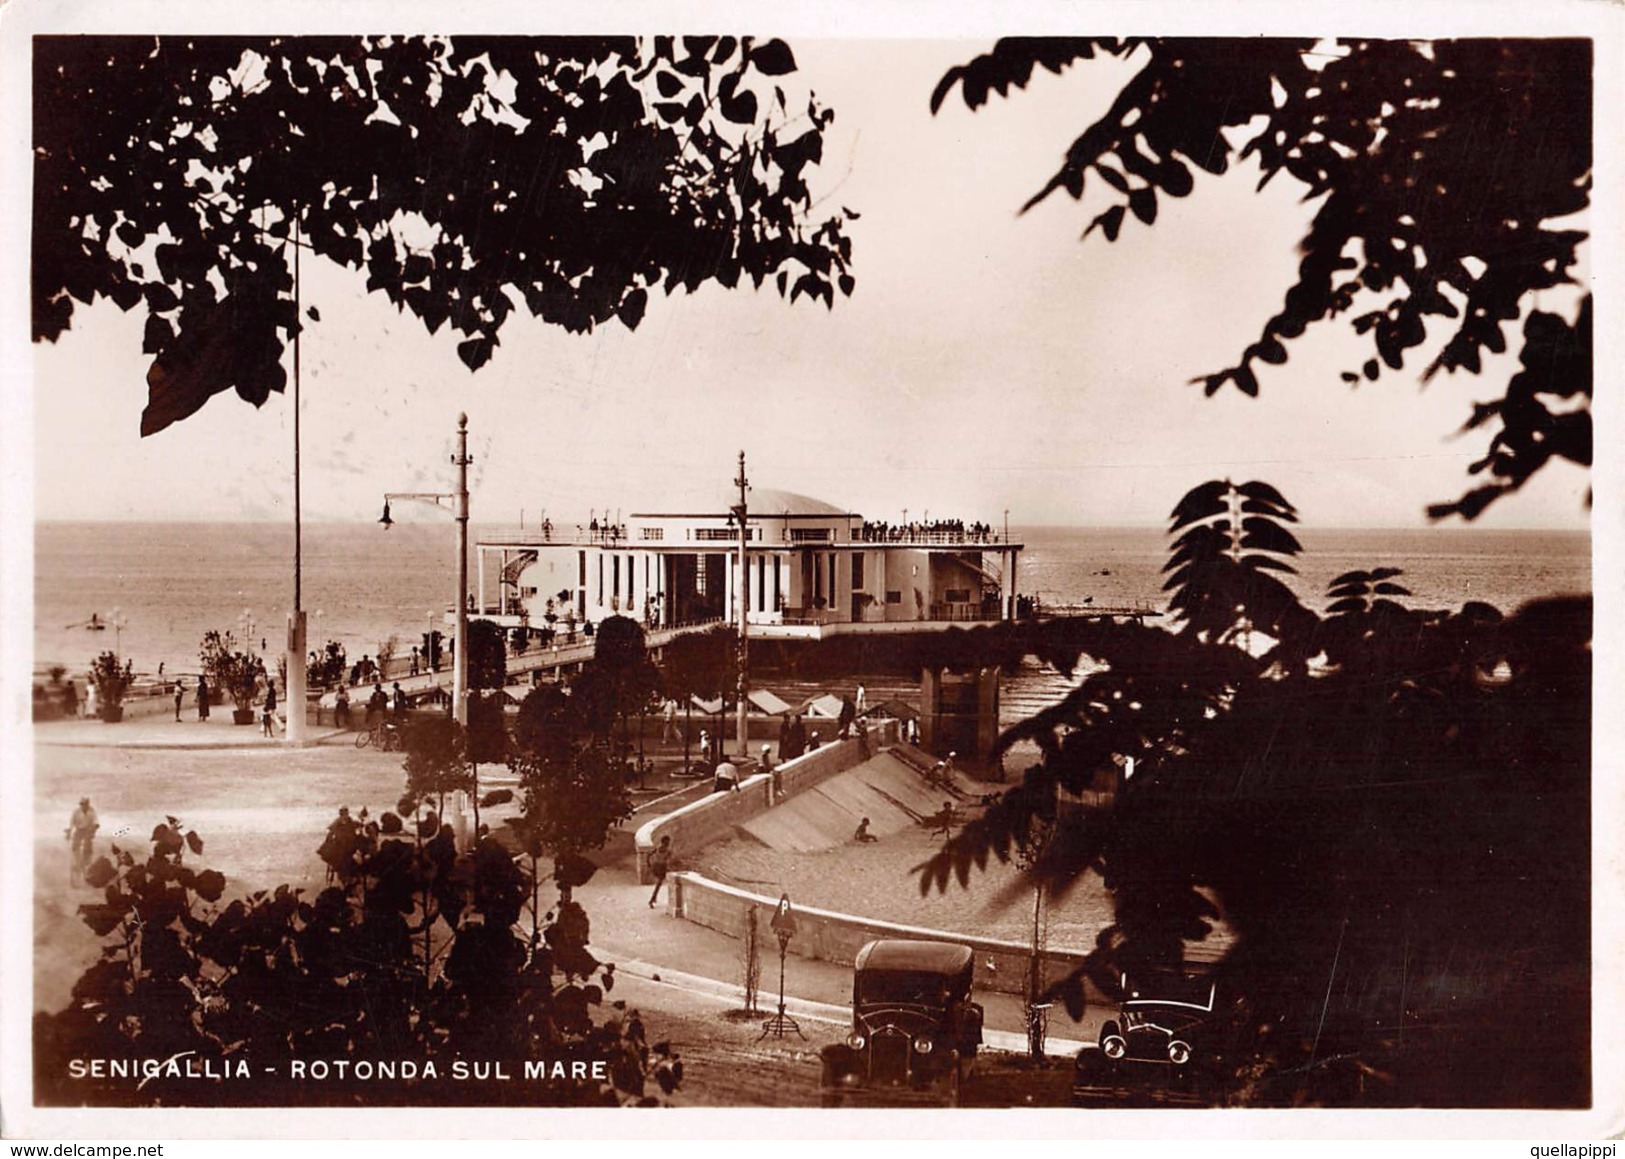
764,701
826,705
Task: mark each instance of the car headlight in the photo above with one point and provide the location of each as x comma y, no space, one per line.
924,1045
1179,1053
1113,1046
855,1040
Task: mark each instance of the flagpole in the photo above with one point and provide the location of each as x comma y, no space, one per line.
297,731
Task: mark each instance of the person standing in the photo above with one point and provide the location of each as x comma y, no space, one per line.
659,865
398,701
414,659
202,698
772,770
180,698
70,699
82,828
668,716
341,707
90,699
268,713
794,741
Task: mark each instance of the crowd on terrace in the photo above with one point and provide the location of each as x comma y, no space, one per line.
932,531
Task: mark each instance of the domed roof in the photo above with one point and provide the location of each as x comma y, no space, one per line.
767,501
760,501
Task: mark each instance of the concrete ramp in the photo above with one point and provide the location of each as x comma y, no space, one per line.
891,794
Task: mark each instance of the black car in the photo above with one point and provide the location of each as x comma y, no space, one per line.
1163,1040
915,1029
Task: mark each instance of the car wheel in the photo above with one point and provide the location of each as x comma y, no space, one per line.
1112,1043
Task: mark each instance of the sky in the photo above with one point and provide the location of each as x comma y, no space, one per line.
987,362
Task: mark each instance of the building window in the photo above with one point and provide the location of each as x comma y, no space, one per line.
651,533
958,595
809,535
723,534
600,580
857,571
894,597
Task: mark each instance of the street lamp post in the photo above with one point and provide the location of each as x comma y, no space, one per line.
744,615
459,508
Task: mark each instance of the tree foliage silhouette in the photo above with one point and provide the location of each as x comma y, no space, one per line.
1377,833
465,175
1423,222
277,976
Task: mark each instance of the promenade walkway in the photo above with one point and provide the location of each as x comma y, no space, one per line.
164,732
673,956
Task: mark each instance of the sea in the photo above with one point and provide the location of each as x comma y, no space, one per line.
158,587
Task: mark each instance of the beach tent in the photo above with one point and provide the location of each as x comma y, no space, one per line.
826,706
764,701
893,709
709,707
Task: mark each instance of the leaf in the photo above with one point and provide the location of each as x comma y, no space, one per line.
773,58
741,108
1110,222
100,873
158,334
194,842
315,314
1270,350
476,352
1144,204
632,307
102,919
210,885
669,83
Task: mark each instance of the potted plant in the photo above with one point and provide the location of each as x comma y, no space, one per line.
112,681
235,673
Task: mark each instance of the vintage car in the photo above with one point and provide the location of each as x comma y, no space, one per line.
915,1030
1163,1038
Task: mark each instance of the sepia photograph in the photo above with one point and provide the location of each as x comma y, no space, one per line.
875,565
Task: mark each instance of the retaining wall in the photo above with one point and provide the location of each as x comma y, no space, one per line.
822,935
715,816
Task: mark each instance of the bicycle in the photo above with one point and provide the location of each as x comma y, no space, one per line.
384,736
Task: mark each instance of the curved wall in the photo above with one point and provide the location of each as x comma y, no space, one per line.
823,935
715,816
